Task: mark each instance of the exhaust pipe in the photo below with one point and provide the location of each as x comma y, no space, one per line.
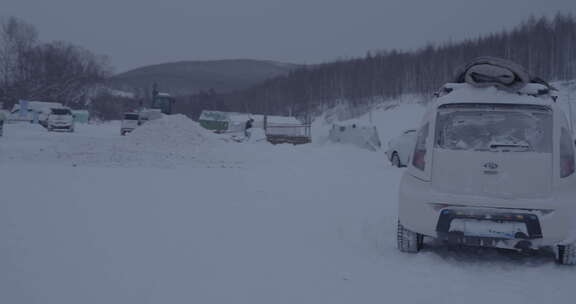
524,245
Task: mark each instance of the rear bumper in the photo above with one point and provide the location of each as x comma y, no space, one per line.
61,127
524,230
422,210
505,243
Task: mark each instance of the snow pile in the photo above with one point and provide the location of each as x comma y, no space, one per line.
166,143
174,131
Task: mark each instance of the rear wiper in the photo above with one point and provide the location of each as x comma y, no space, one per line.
509,146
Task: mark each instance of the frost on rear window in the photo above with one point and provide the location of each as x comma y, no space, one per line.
131,116
498,128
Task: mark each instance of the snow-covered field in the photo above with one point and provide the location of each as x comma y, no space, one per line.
94,217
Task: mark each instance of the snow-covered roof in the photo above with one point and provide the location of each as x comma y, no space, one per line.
120,93
466,93
271,119
214,116
81,111
237,118
283,120
38,106
233,117
242,117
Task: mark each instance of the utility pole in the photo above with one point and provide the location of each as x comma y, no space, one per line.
154,93
570,109
370,112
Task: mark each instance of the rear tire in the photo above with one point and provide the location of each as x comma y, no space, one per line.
396,160
408,241
566,254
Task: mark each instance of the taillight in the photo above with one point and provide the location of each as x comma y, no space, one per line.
419,159
419,155
566,167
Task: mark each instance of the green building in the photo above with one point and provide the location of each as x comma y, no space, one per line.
81,116
215,121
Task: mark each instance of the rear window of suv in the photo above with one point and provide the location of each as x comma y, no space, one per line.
61,112
494,127
131,116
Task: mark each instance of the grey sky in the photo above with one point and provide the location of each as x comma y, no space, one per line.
140,32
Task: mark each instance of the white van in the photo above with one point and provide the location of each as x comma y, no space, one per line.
60,119
492,167
130,121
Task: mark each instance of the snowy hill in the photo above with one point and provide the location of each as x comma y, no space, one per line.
187,77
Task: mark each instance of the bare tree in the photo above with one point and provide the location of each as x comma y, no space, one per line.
64,72
55,71
16,39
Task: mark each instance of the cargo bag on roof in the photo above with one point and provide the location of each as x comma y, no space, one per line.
490,71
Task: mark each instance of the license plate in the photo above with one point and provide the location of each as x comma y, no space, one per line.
487,228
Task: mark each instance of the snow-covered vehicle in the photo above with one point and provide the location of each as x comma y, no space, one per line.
149,114
33,111
130,121
60,119
493,165
400,148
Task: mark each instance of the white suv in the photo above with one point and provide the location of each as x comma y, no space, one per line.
494,168
60,119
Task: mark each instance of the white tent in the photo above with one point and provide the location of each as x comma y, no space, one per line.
361,135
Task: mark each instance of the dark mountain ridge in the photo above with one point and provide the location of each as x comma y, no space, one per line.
191,77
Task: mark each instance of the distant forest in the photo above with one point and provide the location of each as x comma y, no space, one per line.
545,46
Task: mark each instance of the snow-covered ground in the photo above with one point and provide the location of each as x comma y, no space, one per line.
94,217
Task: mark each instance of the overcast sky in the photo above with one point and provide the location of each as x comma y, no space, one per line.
141,32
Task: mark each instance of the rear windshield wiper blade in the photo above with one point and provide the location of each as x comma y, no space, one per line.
509,146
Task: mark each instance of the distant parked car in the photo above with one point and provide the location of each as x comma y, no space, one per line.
130,121
400,148
60,119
